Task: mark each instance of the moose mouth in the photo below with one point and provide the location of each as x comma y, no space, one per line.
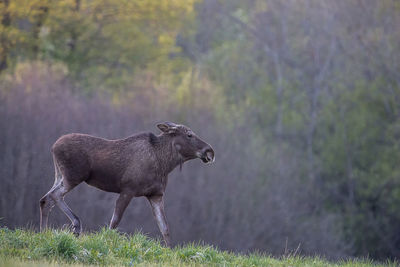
208,156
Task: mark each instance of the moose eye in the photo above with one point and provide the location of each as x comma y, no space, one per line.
189,135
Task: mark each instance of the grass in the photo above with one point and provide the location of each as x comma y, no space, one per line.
108,247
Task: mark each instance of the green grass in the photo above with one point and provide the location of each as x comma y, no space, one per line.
108,247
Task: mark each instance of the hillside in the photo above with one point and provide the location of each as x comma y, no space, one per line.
107,247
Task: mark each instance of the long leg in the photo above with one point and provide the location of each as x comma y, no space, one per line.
120,206
57,196
157,205
46,202
46,205
59,199
68,175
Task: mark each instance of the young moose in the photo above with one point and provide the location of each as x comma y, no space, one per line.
135,166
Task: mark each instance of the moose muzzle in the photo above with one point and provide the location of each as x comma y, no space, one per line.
207,155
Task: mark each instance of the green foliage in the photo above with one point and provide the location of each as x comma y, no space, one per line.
102,42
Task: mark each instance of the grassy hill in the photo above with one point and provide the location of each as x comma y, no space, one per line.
107,247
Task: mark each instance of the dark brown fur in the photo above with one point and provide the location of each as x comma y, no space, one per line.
135,166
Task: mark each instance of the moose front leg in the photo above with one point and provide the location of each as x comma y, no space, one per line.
120,206
157,205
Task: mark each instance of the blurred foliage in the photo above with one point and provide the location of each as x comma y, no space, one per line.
314,85
103,43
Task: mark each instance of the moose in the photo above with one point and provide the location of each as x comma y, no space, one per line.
132,167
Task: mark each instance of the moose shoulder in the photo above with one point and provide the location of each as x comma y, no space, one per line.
135,166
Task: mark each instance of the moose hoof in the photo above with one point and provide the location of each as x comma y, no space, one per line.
76,229
76,233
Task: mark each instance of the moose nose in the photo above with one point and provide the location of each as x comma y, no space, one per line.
208,154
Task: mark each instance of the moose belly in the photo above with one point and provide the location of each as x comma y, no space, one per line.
105,181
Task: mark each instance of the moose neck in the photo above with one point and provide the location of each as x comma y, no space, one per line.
167,155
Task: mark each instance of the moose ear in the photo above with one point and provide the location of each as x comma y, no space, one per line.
167,127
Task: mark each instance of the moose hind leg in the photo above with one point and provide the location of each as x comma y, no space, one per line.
46,205
57,195
47,202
